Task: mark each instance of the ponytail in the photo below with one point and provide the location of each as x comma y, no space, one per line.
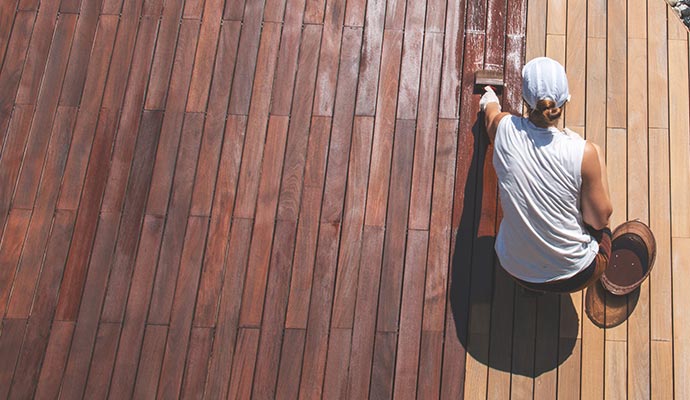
545,114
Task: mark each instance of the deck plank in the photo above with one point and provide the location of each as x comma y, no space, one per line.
223,350
221,217
182,311
576,62
88,116
329,54
163,60
363,331
370,63
661,310
411,308
197,363
86,328
396,228
85,225
172,247
53,365
41,223
286,67
104,351
314,364
679,122
264,224
348,268
425,137
308,225
681,255
273,321
10,251
44,115
245,204
148,371
38,53
210,153
11,72
205,57
131,116
7,15
10,344
639,372
133,327
295,176
384,128
290,363
82,50
34,346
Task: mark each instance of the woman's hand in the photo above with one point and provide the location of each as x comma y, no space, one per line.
489,97
491,107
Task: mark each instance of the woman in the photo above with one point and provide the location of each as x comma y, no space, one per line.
553,187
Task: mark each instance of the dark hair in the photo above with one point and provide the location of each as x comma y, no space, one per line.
545,114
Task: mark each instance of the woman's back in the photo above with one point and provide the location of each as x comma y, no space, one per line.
542,236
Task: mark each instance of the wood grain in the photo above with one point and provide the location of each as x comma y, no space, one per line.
38,331
173,243
55,358
412,305
680,320
286,66
384,128
352,236
219,229
396,228
264,225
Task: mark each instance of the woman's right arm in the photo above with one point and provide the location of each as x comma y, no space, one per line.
595,201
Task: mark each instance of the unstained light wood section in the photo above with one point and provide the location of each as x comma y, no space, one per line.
628,72
295,199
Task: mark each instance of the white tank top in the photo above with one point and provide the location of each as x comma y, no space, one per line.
542,236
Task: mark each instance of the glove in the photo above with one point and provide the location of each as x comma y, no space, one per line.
489,97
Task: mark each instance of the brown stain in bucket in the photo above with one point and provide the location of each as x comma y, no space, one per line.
629,261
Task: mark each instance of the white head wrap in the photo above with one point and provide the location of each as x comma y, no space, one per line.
544,78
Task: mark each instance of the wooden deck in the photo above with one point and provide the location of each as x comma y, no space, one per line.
294,198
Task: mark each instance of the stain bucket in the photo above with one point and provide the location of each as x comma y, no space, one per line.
633,250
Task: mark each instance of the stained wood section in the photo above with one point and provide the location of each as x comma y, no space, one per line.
295,199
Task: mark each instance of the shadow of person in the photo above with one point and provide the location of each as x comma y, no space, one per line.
497,323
